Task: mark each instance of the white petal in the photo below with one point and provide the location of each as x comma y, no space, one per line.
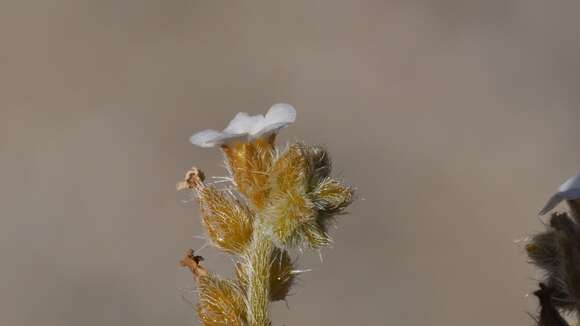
570,184
244,127
281,113
212,138
569,190
243,123
552,202
279,116
207,138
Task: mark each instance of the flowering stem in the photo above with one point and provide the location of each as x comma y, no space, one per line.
282,200
258,256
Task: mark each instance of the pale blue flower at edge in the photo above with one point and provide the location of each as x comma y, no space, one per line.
569,190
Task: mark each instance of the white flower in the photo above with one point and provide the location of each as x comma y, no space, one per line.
245,127
569,190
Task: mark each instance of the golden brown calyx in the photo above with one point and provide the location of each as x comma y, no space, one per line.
249,164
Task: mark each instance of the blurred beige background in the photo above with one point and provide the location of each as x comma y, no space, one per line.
455,119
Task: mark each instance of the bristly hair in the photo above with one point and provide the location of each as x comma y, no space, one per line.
556,251
549,315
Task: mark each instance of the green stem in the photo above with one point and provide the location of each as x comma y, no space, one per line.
258,255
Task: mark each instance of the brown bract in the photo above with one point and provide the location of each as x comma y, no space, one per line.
193,178
227,221
249,164
192,262
221,302
303,199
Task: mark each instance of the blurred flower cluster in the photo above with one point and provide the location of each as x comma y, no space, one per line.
282,200
556,251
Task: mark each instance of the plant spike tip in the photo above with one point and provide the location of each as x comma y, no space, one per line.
280,202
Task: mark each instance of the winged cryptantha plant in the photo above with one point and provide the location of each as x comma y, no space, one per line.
281,200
